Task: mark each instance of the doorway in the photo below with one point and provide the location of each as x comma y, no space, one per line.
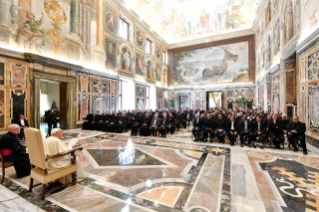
214,100
183,102
64,92
53,94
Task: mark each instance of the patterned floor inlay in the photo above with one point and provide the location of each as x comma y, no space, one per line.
170,175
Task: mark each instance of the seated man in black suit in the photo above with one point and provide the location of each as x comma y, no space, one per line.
275,131
220,128
260,129
88,120
284,123
171,123
154,125
13,151
145,127
23,123
113,122
163,125
208,127
122,119
297,130
245,128
197,126
232,131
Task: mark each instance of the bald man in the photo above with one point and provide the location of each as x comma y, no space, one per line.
53,146
13,151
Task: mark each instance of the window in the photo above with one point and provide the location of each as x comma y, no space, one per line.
165,58
123,29
148,46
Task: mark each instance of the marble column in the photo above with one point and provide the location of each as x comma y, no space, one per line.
75,17
99,52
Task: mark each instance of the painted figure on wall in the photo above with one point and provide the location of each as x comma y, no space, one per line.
268,50
226,63
289,22
139,65
158,52
139,38
276,38
31,35
126,59
110,50
204,19
150,71
314,19
111,22
158,73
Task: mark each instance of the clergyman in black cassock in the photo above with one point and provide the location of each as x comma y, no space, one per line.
296,130
13,151
89,119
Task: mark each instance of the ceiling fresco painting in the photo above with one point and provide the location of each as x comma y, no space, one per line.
183,20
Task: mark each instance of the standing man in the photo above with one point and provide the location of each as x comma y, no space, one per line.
23,123
53,119
297,130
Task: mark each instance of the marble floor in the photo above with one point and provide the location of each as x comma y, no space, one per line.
140,174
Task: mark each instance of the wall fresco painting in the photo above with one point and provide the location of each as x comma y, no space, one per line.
126,57
276,104
290,88
140,64
110,51
309,11
313,110
158,72
150,70
276,37
220,64
275,83
288,21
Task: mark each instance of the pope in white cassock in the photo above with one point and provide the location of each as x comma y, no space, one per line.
53,146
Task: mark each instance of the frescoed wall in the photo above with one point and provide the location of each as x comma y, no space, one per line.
220,64
232,95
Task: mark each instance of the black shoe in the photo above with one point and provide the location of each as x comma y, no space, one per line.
296,150
231,144
305,153
254,146
249,145
241,145
262,146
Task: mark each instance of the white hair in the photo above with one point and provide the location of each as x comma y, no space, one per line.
12,125
284,115
55,130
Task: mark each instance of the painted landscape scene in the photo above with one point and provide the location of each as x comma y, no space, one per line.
219,64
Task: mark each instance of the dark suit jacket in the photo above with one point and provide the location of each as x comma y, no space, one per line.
272,127
209,123
263,126
299,127
17,121
242,126
162,122
198,124
220,124
157,123
235,126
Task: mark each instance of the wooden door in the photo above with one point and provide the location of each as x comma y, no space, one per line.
63,105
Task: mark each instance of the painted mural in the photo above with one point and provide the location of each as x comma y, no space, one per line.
220,64
275,83
183,20
110,51
309,17
140,65
313,108
276,104
276,37
150,70
126,56
139,38
288,21
158,72
111,21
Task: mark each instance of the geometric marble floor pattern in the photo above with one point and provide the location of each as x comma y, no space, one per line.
140,174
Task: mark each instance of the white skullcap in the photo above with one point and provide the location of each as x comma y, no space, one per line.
55,130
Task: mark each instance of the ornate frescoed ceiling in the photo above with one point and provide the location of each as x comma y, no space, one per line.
183,20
